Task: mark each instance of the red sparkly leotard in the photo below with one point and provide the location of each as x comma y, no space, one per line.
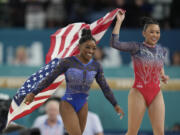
147,62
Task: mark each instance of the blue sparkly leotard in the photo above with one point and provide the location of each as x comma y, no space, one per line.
79,78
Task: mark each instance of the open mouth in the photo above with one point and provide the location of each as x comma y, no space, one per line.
89,55
154,39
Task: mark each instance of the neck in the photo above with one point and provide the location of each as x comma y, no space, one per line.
82,59
148,45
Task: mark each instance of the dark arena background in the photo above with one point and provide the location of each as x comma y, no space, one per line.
25,29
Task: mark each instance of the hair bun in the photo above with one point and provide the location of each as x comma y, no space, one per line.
146,20
86,35
86,32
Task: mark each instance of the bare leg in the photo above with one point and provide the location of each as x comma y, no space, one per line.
82,114
136,110
70,118
156,112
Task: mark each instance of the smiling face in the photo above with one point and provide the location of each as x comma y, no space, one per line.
87,50
152,34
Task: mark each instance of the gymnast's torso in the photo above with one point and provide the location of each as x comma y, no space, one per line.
147,61
79,76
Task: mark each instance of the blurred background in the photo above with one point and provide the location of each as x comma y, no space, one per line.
25,29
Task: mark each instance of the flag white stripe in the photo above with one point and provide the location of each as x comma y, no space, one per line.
72,46
46,93
94,24
58,42
23,107
99,35
109,19
60,78
70,37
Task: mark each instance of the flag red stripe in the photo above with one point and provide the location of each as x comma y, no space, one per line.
98,21
112,13
75,51
27,111
102,20
75,38
52,46
41,97
100,29
48,56
77,34
11,109
57,32
64,37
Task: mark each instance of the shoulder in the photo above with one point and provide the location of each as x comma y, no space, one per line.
66,60
163,49
96,63
159,46
140,44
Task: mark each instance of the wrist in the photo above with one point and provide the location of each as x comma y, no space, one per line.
118,22
115,105
34,93
162,75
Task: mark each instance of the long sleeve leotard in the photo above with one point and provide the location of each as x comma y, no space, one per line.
79,77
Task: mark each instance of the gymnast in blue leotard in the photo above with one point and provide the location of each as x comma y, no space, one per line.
79,71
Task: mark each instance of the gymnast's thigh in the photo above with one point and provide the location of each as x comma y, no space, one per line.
70,118
82,114
136,110
156,113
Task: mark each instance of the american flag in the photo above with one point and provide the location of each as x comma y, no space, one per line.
64,43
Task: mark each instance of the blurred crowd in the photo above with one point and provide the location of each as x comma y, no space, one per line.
38,14
49,121
25,56
108,57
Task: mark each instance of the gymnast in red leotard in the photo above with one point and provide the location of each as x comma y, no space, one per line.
148,59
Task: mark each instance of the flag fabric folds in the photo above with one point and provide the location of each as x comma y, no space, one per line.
64,43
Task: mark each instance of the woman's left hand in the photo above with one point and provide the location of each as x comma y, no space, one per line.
120,16
119,111
164,79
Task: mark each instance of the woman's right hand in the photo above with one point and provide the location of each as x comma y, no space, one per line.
29,98
120,16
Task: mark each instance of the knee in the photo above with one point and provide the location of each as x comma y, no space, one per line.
158,130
